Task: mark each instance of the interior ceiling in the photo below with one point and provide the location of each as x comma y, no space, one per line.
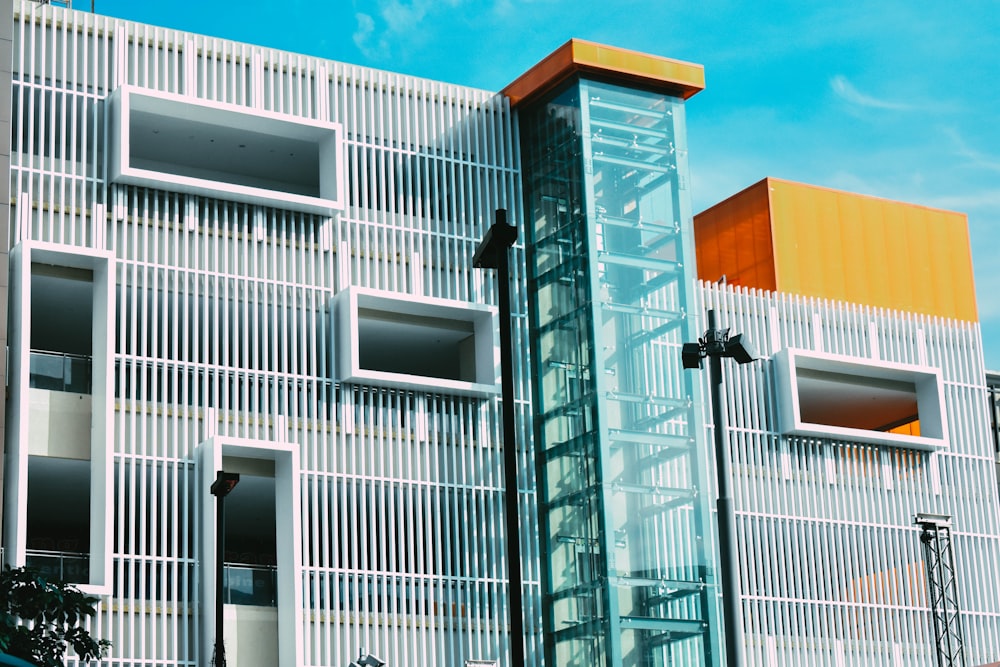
873,407
170,140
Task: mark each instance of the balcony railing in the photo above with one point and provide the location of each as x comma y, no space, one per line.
255,585
70,567
57,371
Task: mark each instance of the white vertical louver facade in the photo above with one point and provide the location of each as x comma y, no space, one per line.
211,326
831,561
221,335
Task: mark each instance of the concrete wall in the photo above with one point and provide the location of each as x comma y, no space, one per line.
251,635
60,424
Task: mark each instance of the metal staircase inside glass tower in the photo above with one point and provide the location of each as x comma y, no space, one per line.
626,527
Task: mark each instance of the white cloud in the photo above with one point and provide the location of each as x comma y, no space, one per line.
846,91
388,28
976,158
363,35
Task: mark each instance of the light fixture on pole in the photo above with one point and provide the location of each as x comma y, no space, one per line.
717,344
494,253
223,485
367,660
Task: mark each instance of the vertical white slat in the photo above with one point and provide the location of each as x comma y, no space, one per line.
257,80
121,56
921,347
875,349
190,68
24,216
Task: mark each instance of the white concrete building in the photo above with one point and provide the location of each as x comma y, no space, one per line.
224,257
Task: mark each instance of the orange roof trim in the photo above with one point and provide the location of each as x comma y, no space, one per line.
577,56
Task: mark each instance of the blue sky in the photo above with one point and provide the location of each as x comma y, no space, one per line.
893,98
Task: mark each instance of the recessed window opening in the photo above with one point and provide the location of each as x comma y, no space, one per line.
251,555
223,153
58,527
860,400
414,342
415,345
61,331
851,401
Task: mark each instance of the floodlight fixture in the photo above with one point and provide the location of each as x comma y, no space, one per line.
368,660
932,520
691,355
719,344
498,238
740,349
224,483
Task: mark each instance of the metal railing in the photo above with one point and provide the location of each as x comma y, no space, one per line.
255,585
57,371
70,567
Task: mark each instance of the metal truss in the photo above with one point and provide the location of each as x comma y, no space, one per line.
935,536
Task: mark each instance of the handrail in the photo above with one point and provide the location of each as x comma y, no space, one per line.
59,371
246,584
73,567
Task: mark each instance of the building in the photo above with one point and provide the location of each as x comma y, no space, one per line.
227,257
871,410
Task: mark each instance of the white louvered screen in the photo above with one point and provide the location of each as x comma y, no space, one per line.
222,329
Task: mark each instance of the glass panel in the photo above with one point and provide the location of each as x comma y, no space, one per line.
56,371
257,586
609,240
71,568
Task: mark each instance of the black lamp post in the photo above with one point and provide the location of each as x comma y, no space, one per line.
224,483
716,344
493,253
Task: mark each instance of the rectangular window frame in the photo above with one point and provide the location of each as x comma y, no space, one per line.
280,132
927,381
348,307
101,445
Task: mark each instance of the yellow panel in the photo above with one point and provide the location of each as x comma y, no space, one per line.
861,249
913,428
673,77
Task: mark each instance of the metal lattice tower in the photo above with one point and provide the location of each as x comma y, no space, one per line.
935,535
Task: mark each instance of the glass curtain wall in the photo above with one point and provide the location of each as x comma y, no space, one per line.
625,504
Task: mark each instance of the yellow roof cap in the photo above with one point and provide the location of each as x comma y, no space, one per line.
673,77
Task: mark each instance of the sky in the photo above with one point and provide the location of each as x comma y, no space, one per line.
896,99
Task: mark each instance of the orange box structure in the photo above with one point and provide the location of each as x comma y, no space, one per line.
578,56
802,239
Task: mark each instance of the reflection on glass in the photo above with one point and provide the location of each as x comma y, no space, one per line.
73,568
625,530
255,585
56,371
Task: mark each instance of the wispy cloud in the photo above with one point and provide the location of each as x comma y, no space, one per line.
385,27
846,91
976,158
363,35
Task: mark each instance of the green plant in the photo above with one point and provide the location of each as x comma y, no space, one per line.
50,615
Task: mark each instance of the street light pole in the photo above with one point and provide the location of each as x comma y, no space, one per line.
493,253
224,483
716,344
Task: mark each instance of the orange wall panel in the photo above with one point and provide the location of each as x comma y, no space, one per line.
734,239
861,249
